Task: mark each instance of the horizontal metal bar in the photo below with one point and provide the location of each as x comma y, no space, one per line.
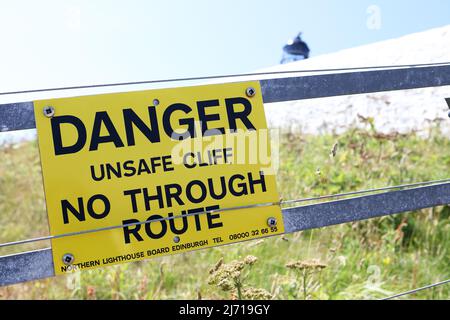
365,207
26,266
19,116
338,84
224,76
38,264
236,208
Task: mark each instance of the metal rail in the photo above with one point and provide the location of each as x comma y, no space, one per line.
34,265
434,285
26,266
335,196
19,116
224,76
38,264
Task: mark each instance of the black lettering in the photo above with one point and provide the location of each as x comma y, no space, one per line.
240,189
131,118
57,138
212,216
113,136
205,118
78,213
149,231
102,170
167,163
90,206
132,193
189,192
116,171
195,212
158,196
155,162
143,167
172,224
189,133
175,195
223,192
129,169
186,164
242,115
135,231
261,181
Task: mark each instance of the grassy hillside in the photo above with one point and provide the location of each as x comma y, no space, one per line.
368,259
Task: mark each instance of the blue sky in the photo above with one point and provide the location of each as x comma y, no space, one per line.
58,43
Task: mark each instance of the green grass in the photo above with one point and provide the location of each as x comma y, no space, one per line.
365,260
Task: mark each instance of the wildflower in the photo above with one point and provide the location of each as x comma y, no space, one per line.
222,272
235,275
256,294
306,271
229,277
216,266
237,265
225,284
306,265
250,260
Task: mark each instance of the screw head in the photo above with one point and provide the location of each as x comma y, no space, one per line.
49,111
176,239
272,222
250,92
155,102
68,259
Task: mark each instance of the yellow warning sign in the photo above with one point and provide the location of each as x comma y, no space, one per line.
143,174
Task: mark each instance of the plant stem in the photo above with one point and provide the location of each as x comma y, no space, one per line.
305,274
239,292
309,243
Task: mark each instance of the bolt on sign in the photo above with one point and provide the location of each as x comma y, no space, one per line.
143,174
